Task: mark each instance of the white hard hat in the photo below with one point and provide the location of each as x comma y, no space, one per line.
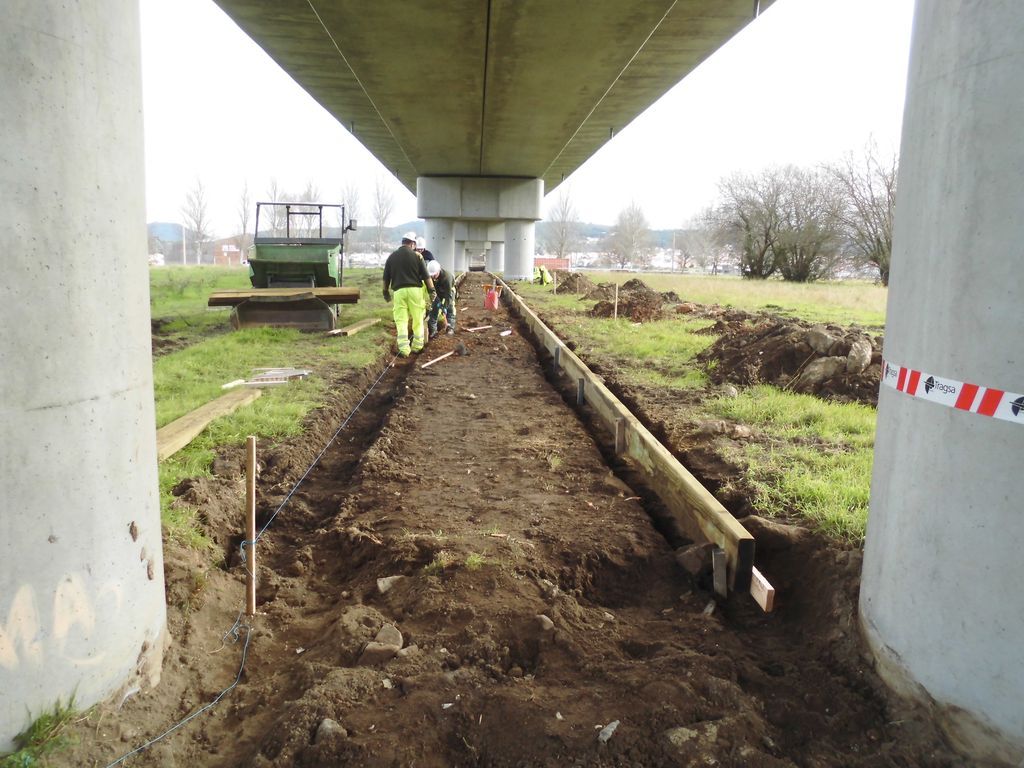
433,268
421,242
410,236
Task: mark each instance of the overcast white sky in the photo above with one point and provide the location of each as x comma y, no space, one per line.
805,83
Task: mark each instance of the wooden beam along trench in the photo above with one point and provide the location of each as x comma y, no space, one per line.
698,512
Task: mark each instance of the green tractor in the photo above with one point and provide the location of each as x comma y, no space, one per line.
296,279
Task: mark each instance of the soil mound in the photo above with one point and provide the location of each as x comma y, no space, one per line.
572,282
829,361
601,292
637,301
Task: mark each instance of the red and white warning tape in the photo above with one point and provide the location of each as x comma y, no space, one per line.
1008,406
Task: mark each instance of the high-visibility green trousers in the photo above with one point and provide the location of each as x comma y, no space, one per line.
408,304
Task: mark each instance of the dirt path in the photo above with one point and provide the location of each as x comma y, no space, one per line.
536,605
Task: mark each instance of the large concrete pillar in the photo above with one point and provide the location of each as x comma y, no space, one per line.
441,242
460,256
496,257
519,245
941,594
81,572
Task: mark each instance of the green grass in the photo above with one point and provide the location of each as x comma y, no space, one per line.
442,560
475,561
657,354
177,297
43,737
192,376
815,459
816,462
848,302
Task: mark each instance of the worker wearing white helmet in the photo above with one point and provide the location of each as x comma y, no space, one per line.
444,300
421,249
405,275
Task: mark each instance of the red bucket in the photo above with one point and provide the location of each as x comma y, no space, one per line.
492,295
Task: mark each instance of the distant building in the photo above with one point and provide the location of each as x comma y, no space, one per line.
226,253
551,263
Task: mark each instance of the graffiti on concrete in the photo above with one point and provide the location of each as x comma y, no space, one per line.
30,637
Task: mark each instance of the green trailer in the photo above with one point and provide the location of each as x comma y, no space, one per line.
296,274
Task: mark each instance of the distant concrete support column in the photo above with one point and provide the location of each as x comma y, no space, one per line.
496,257
440,242
943,572
81,569
460,256
481,204
520,243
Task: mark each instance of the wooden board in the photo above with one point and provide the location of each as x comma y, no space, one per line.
699,513
762,591
349,330
174,436
337,295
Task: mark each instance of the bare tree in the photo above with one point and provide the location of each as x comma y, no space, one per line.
244,211
630,242
808,242
747,219
563,233
868,186
307,225
691,245
196,218
383,204
274,215
718,254
350,201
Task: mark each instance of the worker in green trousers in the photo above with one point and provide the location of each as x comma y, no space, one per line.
405,275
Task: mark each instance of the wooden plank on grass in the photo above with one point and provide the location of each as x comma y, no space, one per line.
762,591
350,330
330,295
172,437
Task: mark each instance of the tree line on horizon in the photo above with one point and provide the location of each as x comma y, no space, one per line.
800,224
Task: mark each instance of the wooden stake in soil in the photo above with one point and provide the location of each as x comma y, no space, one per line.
250,525
558,358
762,591
615,315
620,436
719,567
581,385
442,357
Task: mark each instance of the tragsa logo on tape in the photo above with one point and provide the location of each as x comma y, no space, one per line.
891,371
1017,405
932,383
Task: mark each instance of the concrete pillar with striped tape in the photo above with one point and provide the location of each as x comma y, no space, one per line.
942,584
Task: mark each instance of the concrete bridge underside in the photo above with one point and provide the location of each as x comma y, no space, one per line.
515,92
520,88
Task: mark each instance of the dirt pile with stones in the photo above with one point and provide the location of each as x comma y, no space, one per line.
828,361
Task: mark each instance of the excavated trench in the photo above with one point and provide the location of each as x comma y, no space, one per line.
542,618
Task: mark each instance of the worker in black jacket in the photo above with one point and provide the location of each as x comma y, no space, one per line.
405,275
444,300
